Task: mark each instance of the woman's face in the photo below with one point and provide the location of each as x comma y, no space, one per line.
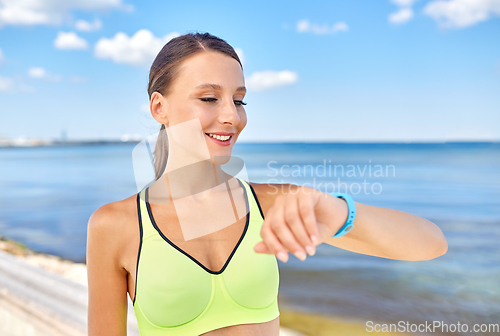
209,86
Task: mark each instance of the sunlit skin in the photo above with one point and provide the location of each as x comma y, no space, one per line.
301,218
219,111
294,215
211,88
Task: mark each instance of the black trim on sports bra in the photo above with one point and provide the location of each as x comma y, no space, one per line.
187,254
256,200
140,245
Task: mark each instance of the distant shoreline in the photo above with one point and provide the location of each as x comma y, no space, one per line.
69,143
31,143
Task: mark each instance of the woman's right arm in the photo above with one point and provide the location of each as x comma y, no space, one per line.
107,280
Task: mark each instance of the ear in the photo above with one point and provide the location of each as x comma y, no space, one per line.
159,108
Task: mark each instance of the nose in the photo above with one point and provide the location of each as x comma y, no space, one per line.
228,114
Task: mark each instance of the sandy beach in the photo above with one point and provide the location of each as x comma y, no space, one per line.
293,323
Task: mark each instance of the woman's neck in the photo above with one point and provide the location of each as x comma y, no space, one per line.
190,170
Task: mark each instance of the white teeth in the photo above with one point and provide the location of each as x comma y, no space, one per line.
219,137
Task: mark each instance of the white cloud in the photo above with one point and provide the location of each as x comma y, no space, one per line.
36,72
241,55
50,12
2,57
70,40
305,26
403,3
144,108
339,26
5,83
263,80
462,13
138,49
86,26
78,79
14,84
404,14
41,73
401,16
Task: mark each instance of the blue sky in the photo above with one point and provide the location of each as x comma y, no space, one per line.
425,70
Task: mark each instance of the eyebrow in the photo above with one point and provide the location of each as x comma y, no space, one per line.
218,87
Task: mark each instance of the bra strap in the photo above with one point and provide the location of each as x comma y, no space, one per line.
146,226
255,209
148,230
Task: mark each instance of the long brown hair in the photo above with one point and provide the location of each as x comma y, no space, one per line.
164,71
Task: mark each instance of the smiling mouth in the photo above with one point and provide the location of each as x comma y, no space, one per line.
222,138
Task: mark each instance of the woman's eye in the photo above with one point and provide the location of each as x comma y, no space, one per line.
211,100
208,99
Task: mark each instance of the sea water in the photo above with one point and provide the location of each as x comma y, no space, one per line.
47,195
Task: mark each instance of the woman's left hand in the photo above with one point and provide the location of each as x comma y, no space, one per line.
296,219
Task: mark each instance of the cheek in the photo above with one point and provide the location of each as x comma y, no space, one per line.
243,120
207,120
206,117
180,113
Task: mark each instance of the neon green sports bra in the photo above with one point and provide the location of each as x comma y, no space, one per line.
176,295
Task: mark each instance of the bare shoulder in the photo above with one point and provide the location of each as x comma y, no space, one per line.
114,217
115,224
109,232
268,192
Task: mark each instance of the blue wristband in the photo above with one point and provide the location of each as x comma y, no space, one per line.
351,216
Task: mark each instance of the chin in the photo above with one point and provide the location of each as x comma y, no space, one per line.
221,158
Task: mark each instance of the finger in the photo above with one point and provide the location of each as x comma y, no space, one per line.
261,247
270,240
295,223
283,233
306,204
273,243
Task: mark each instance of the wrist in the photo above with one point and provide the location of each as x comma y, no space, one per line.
342,213
348,211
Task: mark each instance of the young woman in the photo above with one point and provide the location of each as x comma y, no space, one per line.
196,250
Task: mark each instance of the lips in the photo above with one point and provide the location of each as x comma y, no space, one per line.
221,133
221,138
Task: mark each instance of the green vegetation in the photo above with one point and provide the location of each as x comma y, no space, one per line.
321,325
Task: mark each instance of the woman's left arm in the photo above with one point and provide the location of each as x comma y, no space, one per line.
300,212
389,233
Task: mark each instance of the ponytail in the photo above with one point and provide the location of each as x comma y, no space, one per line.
160,154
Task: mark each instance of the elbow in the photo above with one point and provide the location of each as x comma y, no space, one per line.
442,247
434,248
441,244
439,247
429,254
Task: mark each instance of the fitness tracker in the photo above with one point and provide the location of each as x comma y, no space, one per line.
349,224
